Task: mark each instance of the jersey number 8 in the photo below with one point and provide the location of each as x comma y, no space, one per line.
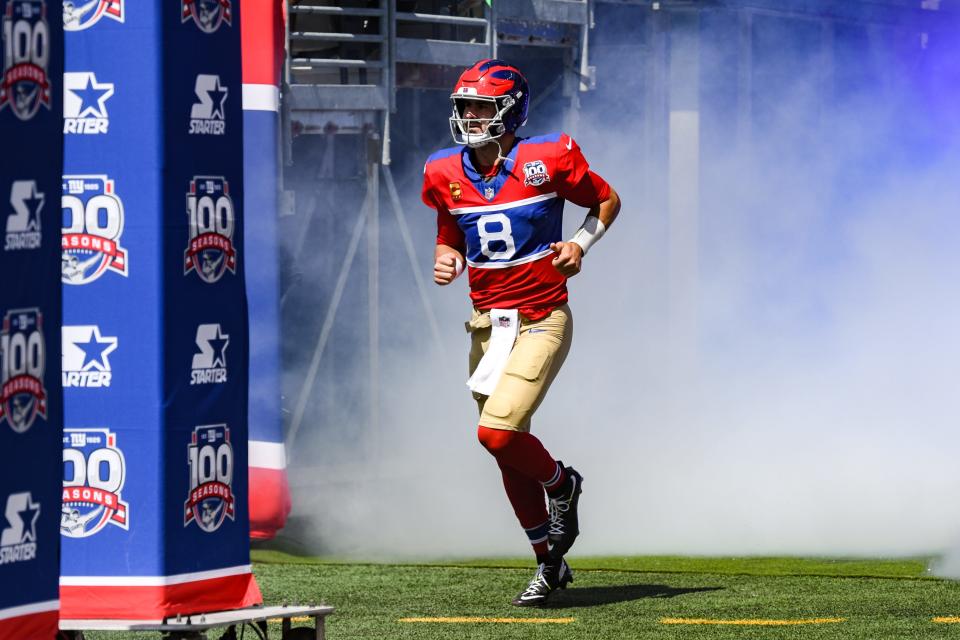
503,234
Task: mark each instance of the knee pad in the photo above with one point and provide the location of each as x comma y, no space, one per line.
496,441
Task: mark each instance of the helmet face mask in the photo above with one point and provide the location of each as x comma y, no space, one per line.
489,81
476,132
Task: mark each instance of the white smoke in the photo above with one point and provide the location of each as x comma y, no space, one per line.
820,416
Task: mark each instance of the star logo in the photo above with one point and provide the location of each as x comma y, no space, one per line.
92,94
84,96
218,96
208,116
26,202
209,365
85,103
29,515
219,344
96,349
34,203
21,515
85,348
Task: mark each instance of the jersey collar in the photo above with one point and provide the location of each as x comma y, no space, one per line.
489,189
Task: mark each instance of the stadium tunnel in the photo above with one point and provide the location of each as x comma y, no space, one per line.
692,85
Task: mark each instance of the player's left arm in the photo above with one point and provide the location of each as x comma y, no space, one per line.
599,218
581,186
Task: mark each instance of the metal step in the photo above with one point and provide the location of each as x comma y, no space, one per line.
313,63
337,97
433,18
440,52
556,11
336,37
334,11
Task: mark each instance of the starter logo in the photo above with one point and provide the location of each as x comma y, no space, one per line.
93,224
207,117
535,174
86,352
23,222
210,251
208,15
83,14
23,362
26,54
210,365
18,541
211,478
85,103
94,472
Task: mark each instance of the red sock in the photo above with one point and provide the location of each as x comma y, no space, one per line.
523,452
527,498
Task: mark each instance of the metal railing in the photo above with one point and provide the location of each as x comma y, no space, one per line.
326,42
331,47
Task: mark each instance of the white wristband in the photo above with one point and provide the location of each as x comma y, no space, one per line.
588,234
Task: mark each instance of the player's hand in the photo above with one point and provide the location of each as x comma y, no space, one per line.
445,268
569,255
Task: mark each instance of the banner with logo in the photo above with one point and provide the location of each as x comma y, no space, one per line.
31,407
263,50
154,517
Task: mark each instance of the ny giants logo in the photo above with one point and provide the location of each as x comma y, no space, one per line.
22,365
210,500
83,14
94,472
208,15
535,174
23,223
210,251
18,540
26,54
93,224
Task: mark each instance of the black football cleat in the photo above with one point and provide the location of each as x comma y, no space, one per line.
564,528
550,576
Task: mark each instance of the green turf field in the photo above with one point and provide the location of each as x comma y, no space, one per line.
638,597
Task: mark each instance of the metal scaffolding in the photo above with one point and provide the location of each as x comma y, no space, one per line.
348,60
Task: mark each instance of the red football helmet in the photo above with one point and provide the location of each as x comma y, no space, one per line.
498,82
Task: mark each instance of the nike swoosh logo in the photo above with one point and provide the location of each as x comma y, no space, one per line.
569,143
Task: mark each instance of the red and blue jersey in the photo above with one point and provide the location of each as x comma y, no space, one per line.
504,223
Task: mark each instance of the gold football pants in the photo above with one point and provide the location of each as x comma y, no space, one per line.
537,355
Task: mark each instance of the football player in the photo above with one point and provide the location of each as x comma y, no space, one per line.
499,201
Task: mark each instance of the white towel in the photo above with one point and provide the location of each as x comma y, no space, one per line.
505,326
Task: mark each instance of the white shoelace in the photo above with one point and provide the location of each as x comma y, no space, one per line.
533,589
557,509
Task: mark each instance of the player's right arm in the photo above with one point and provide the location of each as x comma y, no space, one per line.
451,241
448,264
451,245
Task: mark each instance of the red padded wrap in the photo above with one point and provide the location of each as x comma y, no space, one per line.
269,502
520,451
34,626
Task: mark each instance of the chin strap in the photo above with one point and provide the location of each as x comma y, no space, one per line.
500,155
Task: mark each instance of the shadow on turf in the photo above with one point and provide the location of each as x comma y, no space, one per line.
595,596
